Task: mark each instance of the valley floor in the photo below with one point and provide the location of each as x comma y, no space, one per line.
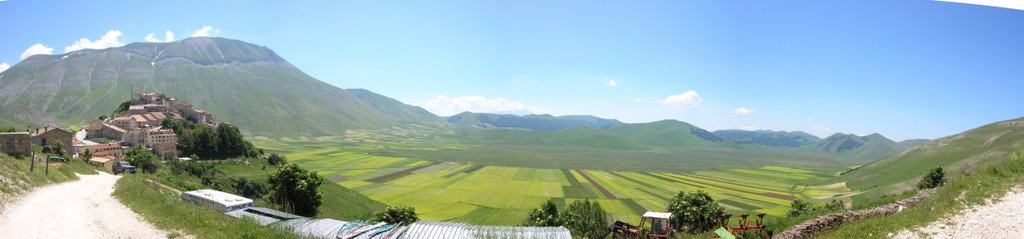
76,209
999,218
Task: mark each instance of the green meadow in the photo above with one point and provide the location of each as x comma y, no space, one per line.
385,170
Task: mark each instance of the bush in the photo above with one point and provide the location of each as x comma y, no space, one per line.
694,212
275,159
396,215
250,188
933,179
545,216
799,208
584,219
296,189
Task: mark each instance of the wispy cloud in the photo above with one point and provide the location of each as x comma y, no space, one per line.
445,106
613,83
168,37
111,39
4,66
1011,4
744,111
36,49
205,31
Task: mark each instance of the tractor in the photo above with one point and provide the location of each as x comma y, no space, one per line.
652,225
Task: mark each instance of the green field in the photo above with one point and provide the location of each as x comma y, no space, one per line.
496,194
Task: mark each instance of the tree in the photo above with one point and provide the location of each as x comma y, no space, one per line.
295,189
87,154
585,219
229,141
694,212
58,148
275,159
250,188
7,130
141,158
545,216
933,179
123,107
397,215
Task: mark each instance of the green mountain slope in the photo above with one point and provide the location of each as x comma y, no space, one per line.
667,133
403,113
768,138
532,122
958,153
860,149
242,83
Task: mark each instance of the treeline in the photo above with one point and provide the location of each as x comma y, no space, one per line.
223,142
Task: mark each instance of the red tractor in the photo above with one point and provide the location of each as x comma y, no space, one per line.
652,225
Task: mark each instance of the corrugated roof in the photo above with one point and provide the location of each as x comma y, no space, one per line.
431,229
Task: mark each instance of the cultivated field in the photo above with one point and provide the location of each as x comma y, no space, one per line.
503,195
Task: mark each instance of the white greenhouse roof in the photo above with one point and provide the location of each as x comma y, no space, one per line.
224,198
662,215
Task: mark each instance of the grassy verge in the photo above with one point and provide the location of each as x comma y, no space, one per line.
16,179
338,202
958,193
164,209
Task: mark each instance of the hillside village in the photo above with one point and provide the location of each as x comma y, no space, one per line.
137,123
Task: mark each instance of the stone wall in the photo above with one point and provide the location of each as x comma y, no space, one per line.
810,228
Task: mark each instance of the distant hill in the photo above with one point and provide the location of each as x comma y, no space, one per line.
864,149
768,138
241,83
532,122
959,153
666,133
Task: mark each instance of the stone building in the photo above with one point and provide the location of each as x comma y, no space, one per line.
15,143
48,136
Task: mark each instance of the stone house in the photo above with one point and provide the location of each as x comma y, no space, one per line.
15,143
48,136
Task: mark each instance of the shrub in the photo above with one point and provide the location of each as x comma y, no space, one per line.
275,159
584,219
250,188
142,158
933,179
694,212
799,208
397,215
545,216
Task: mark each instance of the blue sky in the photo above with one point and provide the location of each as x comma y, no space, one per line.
902,68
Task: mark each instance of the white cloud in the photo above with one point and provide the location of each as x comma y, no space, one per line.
36,49
750,128
445,106
206,31
744,111
111,39
1011,4
168,37
689,99
4,66
612,83
820,129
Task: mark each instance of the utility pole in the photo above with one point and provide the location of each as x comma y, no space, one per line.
32,161
48,163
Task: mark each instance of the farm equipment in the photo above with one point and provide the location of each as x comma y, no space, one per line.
652,225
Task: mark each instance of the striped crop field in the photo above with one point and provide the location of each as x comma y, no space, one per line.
500,195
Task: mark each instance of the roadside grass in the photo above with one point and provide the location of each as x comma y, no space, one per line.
164,209
972,188
17,179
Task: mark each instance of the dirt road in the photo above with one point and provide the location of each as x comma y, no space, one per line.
1000,218
77,209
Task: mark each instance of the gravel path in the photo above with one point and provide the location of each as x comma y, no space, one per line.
1001,218
77,209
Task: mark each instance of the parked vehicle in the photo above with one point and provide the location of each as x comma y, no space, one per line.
123,166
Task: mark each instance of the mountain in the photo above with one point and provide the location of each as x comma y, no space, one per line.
855,148
957,154
403,113
768,138
532,122
667,133
241,83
